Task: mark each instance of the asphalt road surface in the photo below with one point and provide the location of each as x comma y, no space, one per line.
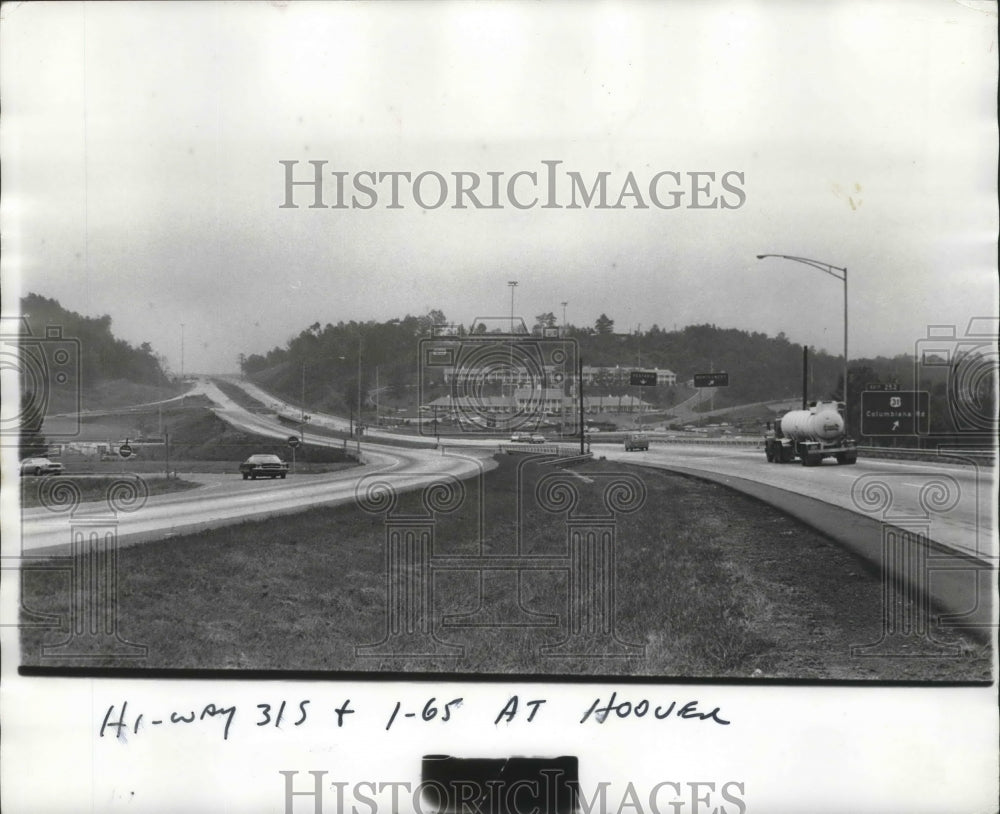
955,504
952,504
226,499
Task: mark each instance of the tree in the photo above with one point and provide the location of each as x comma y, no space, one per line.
542,321
604,325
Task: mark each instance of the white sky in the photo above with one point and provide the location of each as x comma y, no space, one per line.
140,147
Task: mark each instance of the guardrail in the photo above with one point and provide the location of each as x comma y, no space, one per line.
540,449
981,456
986,457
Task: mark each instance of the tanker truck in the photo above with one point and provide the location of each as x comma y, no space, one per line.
810,435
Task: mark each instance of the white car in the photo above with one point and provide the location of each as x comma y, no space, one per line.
41,466
520,438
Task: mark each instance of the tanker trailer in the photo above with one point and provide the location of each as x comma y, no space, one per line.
811,435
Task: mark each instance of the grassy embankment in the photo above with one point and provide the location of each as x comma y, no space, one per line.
708,583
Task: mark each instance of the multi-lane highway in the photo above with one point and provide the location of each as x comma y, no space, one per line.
228,499
954,505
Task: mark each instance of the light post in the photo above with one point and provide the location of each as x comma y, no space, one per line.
512,284
182,351
564,304
359,426
305,418
837,273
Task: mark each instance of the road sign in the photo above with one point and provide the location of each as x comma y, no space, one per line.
294,441
642,378
900,412
125,450
711,380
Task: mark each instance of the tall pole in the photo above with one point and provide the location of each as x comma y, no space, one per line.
579,386
302,425
838,273
359,391
845,346
564,317
512,284
182,351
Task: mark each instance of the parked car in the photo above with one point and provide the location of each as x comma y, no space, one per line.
41,466
263,466
520,438
636,440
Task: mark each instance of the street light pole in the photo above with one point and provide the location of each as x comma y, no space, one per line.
564,317
512,285
302,425
832,270
359,391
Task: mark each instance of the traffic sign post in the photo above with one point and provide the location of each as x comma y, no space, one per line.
711,380
294,442
125,450
895,412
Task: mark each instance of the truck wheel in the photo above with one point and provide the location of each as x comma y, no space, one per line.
841,458
282,476
769,454
253,476
245,476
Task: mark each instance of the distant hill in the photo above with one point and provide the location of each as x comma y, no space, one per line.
70,362
102,356
323,364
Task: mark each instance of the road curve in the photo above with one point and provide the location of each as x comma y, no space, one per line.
954,505
230,499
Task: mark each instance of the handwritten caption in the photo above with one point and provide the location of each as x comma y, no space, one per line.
123,720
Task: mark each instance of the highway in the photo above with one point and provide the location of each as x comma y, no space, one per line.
228,498
954,505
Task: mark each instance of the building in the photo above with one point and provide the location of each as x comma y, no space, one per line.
521,377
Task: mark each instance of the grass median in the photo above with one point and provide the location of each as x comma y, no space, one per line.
707,583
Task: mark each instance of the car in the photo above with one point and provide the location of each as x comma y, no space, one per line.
263,466
520,438
41,466
636,440
536,438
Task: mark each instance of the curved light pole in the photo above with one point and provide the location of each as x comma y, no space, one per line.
837,273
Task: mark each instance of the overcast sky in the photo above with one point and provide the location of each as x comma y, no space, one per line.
141,148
